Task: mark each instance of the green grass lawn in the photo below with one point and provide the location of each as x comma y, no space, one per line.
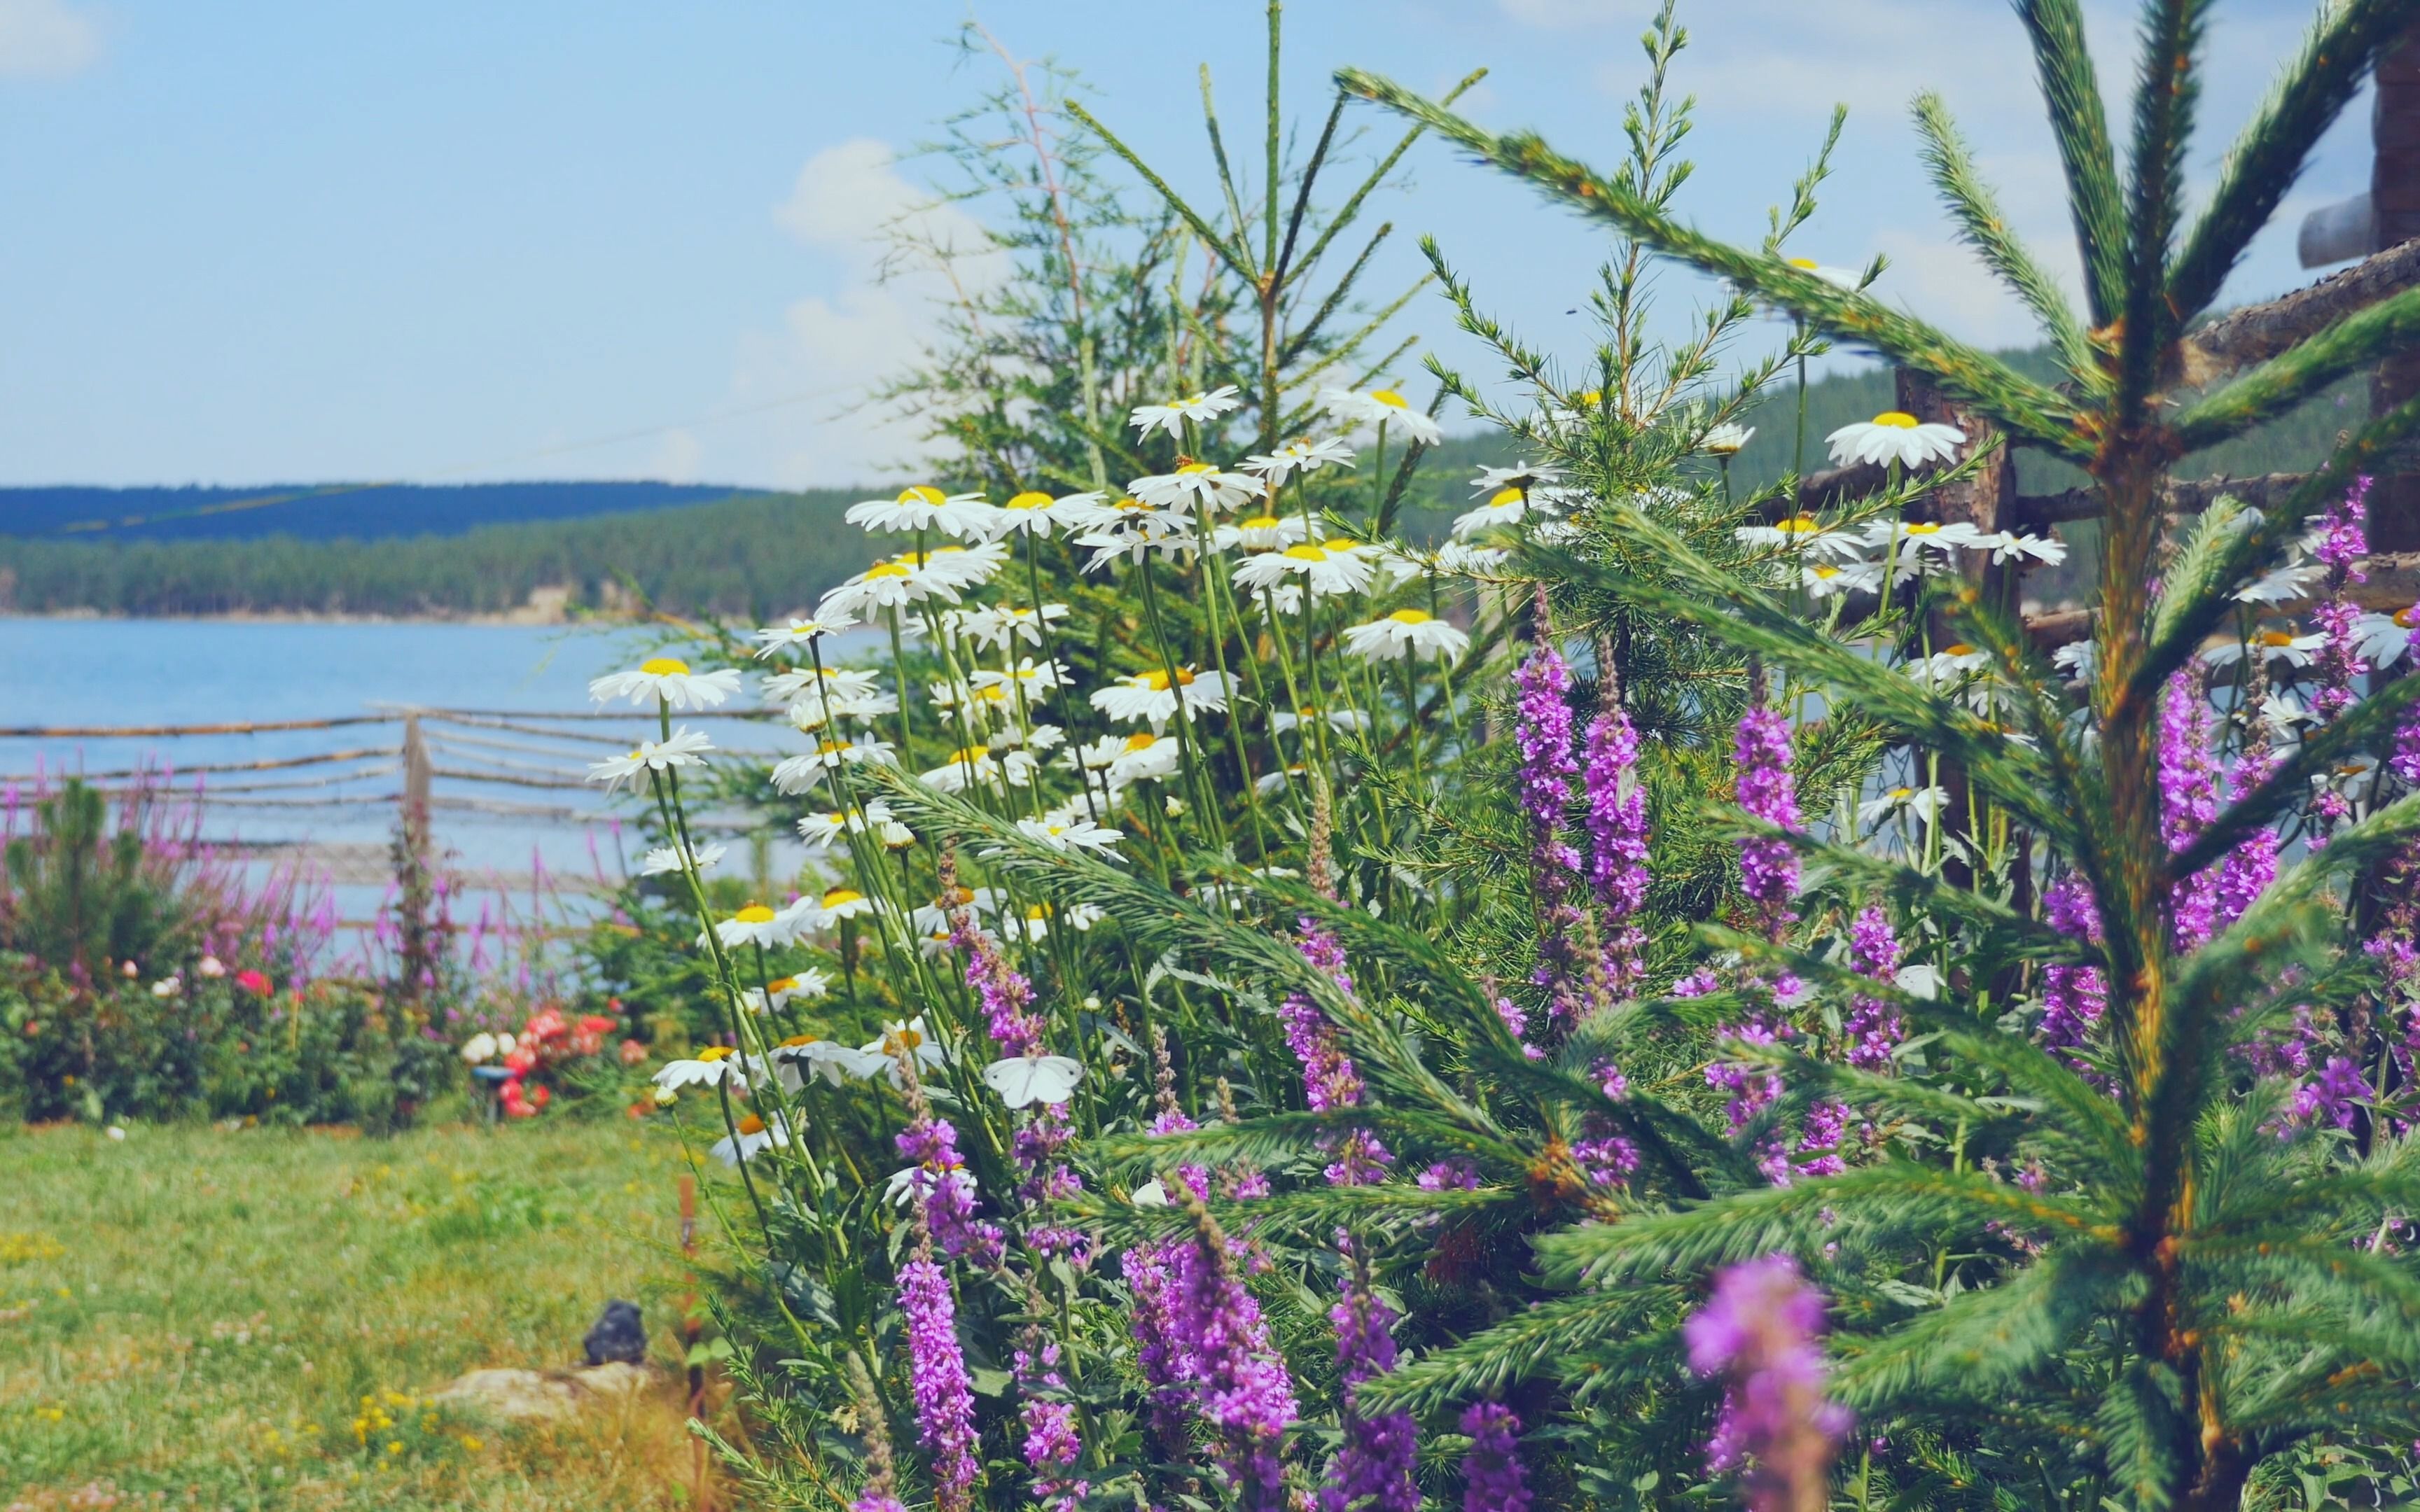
198,1317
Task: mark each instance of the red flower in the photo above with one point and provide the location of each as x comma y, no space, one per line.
521,1060
633,1052
539,1095
546,1023
252,982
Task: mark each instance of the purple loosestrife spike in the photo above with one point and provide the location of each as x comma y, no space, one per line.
1617,822
1492,1477
2073,996
937,1373
1543,735
2188,801
1329,1078
1759,1331
1872,1028
2405,761
1160,1349
1240,1386
2248,869
1767,791
2344,540
946,1191
1372,1468
2334,1096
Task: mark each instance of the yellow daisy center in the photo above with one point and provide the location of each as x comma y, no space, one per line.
842,897
1131,505
1923,527
1306,552
1029,499
1896,419
754,914
796,1040
1593,398
889,569
665,667
751,1125
1038,911
713,1052
783,984
922,494
1389,398
2277,638
1411,616
1826,574
901,1039
1504,497
1157,681
1194,469
2407,618
1141,740
1261,522
1960,649
1341,543
971,755
1800,525
1807,263
1901,795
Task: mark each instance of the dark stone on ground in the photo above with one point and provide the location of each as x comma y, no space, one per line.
618,1335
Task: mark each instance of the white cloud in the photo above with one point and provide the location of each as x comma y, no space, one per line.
875,231
45,39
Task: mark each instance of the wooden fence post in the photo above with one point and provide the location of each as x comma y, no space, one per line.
416,944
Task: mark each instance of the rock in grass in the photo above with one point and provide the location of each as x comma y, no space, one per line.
617,1336
541,1393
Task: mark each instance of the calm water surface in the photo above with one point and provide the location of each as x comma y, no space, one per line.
120,672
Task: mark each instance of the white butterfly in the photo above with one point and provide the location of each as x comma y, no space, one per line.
1152,1194
1022,1079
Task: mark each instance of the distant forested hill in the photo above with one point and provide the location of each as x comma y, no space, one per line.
431,552
321,512
753,554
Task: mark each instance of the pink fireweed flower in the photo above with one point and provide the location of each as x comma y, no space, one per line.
1761,1332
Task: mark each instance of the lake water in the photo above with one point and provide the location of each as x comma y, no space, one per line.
508,803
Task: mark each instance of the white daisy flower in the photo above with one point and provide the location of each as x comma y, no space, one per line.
1506,506
1034,513
754,925
2283,709
798,774
813,712
668,679
1525,476
1273,781
1726,439
822,831
1924,803
712,1067
1286,721
976,763
1300,456
842,903
2381,640
1141,757
960,566
838,683
796,632
1943,540
683,747
1198,407
807,986
1378,407
2007,545
2273,646
886,585
1154,695
993,628
1325,569
754,1136
1845,277
1198,485
1803,533
2076,660
1824,579
1949,666
2280,585
479,1049
1028,678
1131,529
1073,834
923,508
1406,632
805,1055
1260,532
1895,436
665,858
912,1040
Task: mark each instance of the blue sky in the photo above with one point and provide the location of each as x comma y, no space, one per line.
261,241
